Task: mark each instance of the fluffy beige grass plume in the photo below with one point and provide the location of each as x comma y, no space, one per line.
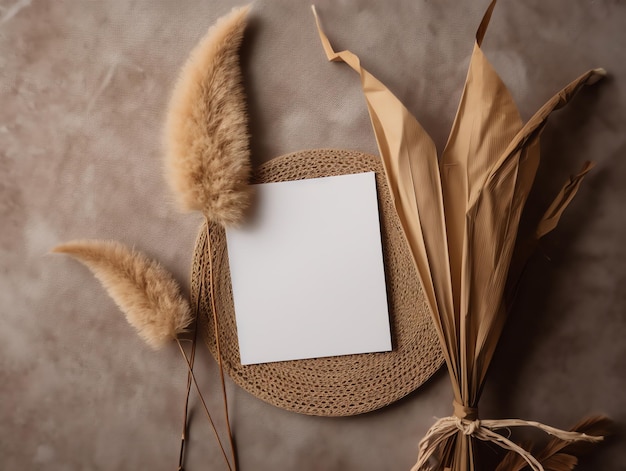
144,290
207,162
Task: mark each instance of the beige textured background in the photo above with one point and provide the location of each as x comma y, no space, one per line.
83,90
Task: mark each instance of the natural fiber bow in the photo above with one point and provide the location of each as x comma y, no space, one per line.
465,421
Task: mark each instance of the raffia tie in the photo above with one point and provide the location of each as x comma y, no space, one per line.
465,420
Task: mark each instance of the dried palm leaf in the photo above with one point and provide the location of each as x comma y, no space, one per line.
461,214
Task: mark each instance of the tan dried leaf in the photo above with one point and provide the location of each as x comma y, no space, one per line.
144,290
513,461
207,160
560,462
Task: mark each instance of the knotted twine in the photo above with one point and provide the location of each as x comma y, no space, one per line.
465,421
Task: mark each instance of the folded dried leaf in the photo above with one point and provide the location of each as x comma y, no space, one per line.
144,290
207,159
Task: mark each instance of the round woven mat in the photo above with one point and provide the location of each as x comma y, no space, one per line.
334,386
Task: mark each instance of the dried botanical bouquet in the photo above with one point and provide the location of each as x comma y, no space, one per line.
460,214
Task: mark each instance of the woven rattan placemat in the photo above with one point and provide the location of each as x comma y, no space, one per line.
334,386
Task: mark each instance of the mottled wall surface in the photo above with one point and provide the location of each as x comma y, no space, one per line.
83,91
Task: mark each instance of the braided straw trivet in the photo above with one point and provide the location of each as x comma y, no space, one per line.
334,386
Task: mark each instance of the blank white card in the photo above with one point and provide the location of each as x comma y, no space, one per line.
307,271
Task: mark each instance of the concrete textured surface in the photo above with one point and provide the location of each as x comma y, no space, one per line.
83,91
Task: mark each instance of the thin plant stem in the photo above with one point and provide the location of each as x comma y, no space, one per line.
217,344
206,409
185,431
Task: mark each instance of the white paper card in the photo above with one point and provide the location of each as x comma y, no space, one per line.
307,271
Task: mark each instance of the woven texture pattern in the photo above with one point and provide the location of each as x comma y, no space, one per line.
335,386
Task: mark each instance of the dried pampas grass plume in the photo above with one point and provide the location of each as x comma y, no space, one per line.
148,295
144,290
207,160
